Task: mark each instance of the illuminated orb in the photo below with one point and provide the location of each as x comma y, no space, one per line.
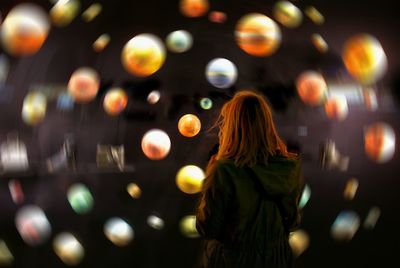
84,85
217,17
156,144
311,87
380,142
336,107
345,225
190,179
314,15
287,14
221,73
101,42
134,190
187,225
92,12
179,41
153,97
305,196
258,35
80,198
25,29
299,241
194,8
143,55
34,108
155,222
118,231
364,58
206,103
32,225
68,248
6,257
64,12
319,43
189,125
372,218
350,189
115,101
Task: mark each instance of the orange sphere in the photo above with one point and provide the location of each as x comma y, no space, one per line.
84,85
311,87
194,8
189,125
156,144
379,142
336,108
115,101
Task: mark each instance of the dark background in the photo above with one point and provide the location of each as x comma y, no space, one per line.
182,81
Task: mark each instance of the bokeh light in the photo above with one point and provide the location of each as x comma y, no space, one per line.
34,108
187,226
345,225
336,107
287,14
143,55
299,241
258,35
115,101
179,41
153,97
64,12
190,179
311,87
221,73
350,189
155,222
80,198
6,257
101,42
319,43
217,17
189,125
314,15
365,58
16,192
25,29
84,85
92,12
305,196
32,225
156,144
370,99
206,103
118,231
194,8
134,190
372,218
380,142
68,248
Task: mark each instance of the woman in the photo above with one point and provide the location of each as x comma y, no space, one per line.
250,197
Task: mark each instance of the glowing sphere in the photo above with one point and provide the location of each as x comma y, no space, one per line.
380,142
350,189
364,58
92,12
80,198
190,179
217,17
155,222
143,55
336,107
372,218
68,248
221,73
84,85
32,225
319,43
101,42
345,225
187,225
299,241
189,125
305,196
206,103
6,257
115,101
25,29
194,8
34,108
63,12
311,87
179,41
134,190
118,231
156,144
314,15
287,14
153,97
257,35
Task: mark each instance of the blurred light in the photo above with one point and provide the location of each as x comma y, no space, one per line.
115,101
25,29
189,125
336,107
221,73
314,15
187,225
364,58
370,100
345,226
351,189
331,158
4,68
372,218
32,225
153,97
92,12
311,87
217,17
258,35
380,142
143,55
6,257
287,14
101,42
190,179
156,144
68,248
64,12
34,108
352,92
194,8
16,192
179,41
206,103
65,102
14,156
299,241
134,190
118,231
319,43
84,85
80,198
155,222
305,196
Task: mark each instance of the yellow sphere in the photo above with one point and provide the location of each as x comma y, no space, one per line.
115,101
143,55
64,12
287,14
84,85
311,87
380,142
34,108
68,248
299,241
189,125
190,179
156,144
187,225
364,58
194,8
257,35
